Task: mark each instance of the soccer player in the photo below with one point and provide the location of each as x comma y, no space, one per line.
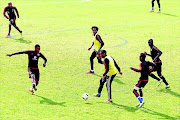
155,53
109,75
33,69
158,2
12,17
98,44
143,80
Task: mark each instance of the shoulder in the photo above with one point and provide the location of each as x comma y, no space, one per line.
5,7
154,47
14,7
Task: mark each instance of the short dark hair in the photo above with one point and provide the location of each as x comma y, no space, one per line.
150,40
143,56
103,51
37,45
95,27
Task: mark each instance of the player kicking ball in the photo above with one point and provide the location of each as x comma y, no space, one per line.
33,69
110,73
12,17
143,80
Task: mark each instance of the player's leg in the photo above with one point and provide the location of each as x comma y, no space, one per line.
101,84
93,55
9,28
159,70
37,74
108,85
14,24
152,6
136,88
154,77
158,2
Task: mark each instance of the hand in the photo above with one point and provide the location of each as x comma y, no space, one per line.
7,18
120,73
89,49
131,68
44,65
103,78
9,55
145,53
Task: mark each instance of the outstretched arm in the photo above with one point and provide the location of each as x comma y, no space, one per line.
136,70
147,54
91,46
24,52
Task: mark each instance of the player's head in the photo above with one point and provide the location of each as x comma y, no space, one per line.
10,4
103,53
94,29
142,57
150,42
37,48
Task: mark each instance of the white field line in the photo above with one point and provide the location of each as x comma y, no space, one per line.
50,3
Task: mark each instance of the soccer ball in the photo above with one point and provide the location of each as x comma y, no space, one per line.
85,96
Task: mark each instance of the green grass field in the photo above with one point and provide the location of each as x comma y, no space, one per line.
62,28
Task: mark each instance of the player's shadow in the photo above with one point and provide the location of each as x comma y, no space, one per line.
170,92
127,108
50,102
169,14
149,111
116,80
22,40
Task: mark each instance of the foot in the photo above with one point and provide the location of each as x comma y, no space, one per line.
96,95
109,100
34,87
158,11
7,35
159,83
31,92
21,33
167,86
141,104
91,71
151,11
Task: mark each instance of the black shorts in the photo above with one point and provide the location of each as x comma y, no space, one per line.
35,72
140,84
11,21
157,67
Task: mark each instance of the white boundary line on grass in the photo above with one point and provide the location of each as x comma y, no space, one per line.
51,3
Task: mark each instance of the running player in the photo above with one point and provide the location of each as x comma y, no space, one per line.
109,75
143,80
155,53
158,2
33,69
12,17
98,44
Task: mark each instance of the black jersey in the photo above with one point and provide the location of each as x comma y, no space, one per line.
33,58
145,65
154,52
11,12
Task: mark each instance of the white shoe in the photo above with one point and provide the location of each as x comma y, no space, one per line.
141,104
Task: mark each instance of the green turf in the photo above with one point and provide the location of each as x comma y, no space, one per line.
63,31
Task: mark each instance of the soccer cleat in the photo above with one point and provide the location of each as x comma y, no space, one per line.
96,95
159,83
21,33
31,92
91,71
141,104
158,11
109,100
167,86
7,35
34,87
151,11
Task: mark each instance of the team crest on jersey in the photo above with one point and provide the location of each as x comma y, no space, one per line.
38,54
